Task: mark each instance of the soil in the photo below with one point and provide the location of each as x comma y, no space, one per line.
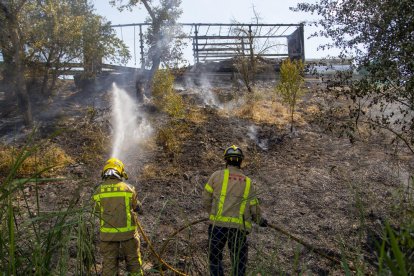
330,191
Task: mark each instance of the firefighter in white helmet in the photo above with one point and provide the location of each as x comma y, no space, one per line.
231,201
117,204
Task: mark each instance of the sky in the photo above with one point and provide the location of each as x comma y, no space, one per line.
224,11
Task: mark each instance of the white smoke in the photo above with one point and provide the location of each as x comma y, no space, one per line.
129,125
252,134
206,93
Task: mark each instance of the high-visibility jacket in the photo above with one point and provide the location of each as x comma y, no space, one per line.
115,205
230,198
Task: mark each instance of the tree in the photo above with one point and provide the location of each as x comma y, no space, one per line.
39,40
100,42
163,47
248,64
290,87
378,35
12,43
87,39
54,32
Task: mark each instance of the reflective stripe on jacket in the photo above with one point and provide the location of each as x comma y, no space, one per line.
230,198
115,202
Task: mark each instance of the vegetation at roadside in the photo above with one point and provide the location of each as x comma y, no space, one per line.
379,88
165,97
372,36
36,54
48,158
290,87
165,38
34,240
249,64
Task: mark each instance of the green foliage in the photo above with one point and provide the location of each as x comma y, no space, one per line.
396,252
49,36
100,42
87,37
374,35
34,242
170,137
164,37
290,87
165,97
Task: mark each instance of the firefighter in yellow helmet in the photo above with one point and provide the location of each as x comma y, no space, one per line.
116,204
230,199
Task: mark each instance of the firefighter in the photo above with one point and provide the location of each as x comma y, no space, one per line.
230,199
116,204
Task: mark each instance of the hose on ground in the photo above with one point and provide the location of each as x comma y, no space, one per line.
274,227
171,237
307,245
141,230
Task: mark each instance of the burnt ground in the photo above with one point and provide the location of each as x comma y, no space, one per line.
330,191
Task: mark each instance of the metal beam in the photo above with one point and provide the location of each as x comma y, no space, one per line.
239,36
211,24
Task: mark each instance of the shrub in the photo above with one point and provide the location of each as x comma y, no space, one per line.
165,98
34,241
290,85
49,155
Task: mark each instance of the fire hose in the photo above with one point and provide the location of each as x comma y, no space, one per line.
278,229
154,252
307,245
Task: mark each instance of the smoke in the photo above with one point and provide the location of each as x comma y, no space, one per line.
206,93
253,134
129,124
200,86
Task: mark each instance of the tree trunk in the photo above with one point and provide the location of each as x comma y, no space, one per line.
23,100
8,75
156,58
44,89
156,61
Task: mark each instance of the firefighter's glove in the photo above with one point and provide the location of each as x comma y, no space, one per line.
263,222
139,210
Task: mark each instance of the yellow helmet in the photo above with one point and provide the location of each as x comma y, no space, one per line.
116,165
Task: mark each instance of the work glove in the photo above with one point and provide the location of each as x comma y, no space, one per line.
263,222
138,209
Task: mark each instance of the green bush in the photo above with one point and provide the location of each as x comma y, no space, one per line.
34,241
165,98
290,87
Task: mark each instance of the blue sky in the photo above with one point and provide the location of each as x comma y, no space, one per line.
224,11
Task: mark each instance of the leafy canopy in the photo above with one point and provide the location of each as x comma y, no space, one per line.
378,36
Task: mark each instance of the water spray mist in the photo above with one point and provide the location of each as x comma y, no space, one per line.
129,125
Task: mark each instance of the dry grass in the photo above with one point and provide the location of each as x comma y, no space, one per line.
165,98
196,116
253,160
269,112
213,157
170,137
150,171
92,139
48,156
148,145
312,110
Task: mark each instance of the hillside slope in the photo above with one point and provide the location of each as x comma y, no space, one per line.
330,191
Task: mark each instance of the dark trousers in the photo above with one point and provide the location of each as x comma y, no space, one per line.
237,242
